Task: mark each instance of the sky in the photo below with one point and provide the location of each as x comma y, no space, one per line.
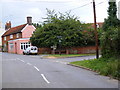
16,11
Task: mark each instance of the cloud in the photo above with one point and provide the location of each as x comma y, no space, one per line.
34,12
37,0
18,10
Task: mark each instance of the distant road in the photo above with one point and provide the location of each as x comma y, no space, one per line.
30,71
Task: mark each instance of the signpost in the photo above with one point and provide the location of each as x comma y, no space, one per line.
53,47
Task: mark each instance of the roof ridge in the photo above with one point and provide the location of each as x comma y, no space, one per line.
14,30
19,25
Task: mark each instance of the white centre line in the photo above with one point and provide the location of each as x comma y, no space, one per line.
45,78
36,68
18,59
22,61
29,64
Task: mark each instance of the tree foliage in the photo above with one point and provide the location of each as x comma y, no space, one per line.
112,17
110,37
70,30
37,25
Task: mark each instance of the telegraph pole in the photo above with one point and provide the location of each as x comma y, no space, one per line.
95,28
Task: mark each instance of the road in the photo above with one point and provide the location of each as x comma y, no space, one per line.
29,71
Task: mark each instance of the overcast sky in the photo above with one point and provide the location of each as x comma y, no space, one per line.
16,11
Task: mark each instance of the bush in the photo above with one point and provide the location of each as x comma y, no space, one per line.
110,42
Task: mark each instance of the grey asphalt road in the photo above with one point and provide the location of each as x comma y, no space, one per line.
29,71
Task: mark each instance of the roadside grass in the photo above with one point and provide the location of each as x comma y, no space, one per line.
67,55
107,67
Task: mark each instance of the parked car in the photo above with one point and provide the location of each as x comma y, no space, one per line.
31,50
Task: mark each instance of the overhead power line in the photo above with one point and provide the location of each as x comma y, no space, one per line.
79,6
101,2
86,5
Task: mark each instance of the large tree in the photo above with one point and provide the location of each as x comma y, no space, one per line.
112,19
62,30
110,38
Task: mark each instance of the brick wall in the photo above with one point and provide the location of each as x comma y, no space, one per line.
8,38
44,50
82,50
73,50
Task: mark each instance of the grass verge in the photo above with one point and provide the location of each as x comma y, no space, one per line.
108,67
69,55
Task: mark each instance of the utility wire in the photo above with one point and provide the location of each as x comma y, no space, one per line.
85,5
101,2
79,7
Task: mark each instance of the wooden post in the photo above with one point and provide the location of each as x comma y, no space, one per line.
95,27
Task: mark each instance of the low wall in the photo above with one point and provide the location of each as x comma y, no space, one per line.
82,50
44,50
73,50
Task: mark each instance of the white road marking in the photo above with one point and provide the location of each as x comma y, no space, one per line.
36,68
18,58
29,64
22,61
61,62
45,78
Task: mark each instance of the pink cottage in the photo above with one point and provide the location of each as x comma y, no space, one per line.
16,39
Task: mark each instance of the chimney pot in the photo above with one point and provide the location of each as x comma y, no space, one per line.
29,20
8,25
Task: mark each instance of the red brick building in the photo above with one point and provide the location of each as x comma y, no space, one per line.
16,39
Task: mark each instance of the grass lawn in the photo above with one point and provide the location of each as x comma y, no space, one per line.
108,67
68,55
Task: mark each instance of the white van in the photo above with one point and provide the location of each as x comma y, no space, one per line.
31,50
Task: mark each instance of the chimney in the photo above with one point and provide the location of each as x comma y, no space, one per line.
29,20
8,25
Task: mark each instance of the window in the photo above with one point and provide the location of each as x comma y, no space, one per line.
24,45
17,35
11,36
11,45
5,38
5,45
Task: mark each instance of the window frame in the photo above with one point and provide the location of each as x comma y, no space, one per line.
11,46
4,38
11,36
17,35
24,45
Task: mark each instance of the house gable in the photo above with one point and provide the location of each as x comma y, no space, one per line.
27,31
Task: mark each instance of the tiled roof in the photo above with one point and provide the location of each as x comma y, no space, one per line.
98,23
14,30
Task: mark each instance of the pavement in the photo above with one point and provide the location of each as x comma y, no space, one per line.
33,71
